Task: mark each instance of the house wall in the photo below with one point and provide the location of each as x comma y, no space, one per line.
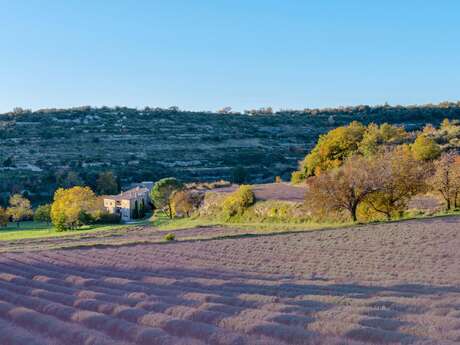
125,206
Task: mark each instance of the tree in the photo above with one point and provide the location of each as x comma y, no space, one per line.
43,213
20,208
136,210
425,148
182,203
239,175
69,179
161,194
4,217
446,179
225,110
72,207
142,209
377,136
333,148
106,183
344,188
401,178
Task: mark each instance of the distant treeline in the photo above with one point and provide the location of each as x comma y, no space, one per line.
452,108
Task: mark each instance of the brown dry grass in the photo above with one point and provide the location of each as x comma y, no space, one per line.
395,283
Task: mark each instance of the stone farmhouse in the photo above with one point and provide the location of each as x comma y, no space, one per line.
126,202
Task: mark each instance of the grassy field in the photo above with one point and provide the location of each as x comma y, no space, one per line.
163,223
160,222
31,229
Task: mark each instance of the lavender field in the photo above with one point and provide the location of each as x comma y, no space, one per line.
395,283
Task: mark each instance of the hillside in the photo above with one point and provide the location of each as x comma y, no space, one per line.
37,147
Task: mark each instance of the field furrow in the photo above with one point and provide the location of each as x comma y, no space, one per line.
364,285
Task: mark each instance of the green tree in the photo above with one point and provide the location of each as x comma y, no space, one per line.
161,194
69,179
239,175
142,209
19,208
136,210
43,213
106,183
425,148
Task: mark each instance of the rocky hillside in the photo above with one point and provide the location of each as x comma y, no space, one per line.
36,148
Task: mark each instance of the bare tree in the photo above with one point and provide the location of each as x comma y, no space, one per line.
343,189
446,179
401,177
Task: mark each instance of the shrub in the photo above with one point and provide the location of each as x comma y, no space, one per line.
107,218
170,237
43,213
237,202
297,177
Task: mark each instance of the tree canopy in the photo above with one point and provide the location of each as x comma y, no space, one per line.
107,183
19,208
73,207
162,191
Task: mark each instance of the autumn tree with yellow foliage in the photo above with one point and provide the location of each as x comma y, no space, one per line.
74,207
334,147
20,208
4,217
425,149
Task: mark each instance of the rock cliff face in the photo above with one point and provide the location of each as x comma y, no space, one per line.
38,148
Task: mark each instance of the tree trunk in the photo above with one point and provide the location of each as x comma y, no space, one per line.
353,213
170,211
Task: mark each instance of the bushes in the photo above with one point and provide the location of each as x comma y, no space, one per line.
107,218
43,213
169,237
237,202
275,211
297,177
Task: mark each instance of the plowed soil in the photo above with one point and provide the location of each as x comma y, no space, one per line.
395,283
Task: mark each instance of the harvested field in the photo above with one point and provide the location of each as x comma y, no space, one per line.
395,283
272,191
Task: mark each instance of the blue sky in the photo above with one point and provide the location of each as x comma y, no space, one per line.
206,54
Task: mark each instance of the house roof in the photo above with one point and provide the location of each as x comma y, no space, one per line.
130,194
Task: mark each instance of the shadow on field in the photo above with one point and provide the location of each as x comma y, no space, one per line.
203,304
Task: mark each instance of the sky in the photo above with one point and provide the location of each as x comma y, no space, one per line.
207,54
